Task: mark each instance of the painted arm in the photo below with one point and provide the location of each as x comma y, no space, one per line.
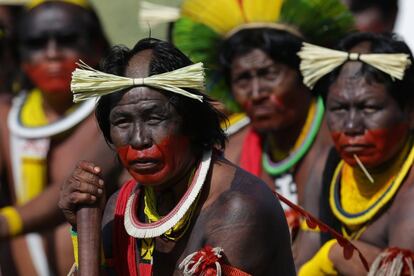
253,234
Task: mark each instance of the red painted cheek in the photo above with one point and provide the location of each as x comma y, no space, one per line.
378,144
247,105
51,77
278,102
168,152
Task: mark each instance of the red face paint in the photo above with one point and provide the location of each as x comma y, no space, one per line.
373,148
278,103
157,164
51,76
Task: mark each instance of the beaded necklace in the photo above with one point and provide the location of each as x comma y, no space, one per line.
172,226
302,145
355,208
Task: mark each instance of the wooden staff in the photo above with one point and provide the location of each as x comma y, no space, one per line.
88,220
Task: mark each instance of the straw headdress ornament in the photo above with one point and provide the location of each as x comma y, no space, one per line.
317,62
90,83
202,25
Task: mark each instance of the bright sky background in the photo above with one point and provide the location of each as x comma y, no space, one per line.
405,22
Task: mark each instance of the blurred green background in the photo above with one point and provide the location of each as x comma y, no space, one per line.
120,20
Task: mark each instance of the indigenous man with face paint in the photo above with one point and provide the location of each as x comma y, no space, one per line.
251,47
43,134
367,193
186,210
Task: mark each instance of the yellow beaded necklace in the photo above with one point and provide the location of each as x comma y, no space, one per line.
174,234
278,154
355,201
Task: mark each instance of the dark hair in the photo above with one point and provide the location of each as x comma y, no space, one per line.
281,46
379,43
201,121
388,8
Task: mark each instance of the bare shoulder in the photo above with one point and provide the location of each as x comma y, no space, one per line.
247,221
237,191
401,216
5,105
404,203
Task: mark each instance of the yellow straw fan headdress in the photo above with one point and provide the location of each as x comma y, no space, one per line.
90,83
203,25
317,62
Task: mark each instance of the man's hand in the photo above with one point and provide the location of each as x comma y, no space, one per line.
83,187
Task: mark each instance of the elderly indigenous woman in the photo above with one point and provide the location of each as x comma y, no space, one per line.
259,71
367,191
43,134
185,203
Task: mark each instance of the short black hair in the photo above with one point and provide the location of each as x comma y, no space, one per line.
401,90
281,46
388,8
201,121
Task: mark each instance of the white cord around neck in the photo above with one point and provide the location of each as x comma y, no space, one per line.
71,120
151,230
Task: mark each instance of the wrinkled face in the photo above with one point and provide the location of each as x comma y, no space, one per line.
147,132
270,93
364,118
53,40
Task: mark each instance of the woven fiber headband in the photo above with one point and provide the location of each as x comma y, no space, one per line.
317,62
89,83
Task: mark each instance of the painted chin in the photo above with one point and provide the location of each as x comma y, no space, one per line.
370,157
373,148
145,166
157,164
152,175
51,77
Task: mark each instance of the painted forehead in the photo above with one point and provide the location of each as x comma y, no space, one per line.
53,18
139,65
254,58
352,70
143,96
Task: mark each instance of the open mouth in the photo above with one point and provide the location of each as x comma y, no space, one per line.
144,164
